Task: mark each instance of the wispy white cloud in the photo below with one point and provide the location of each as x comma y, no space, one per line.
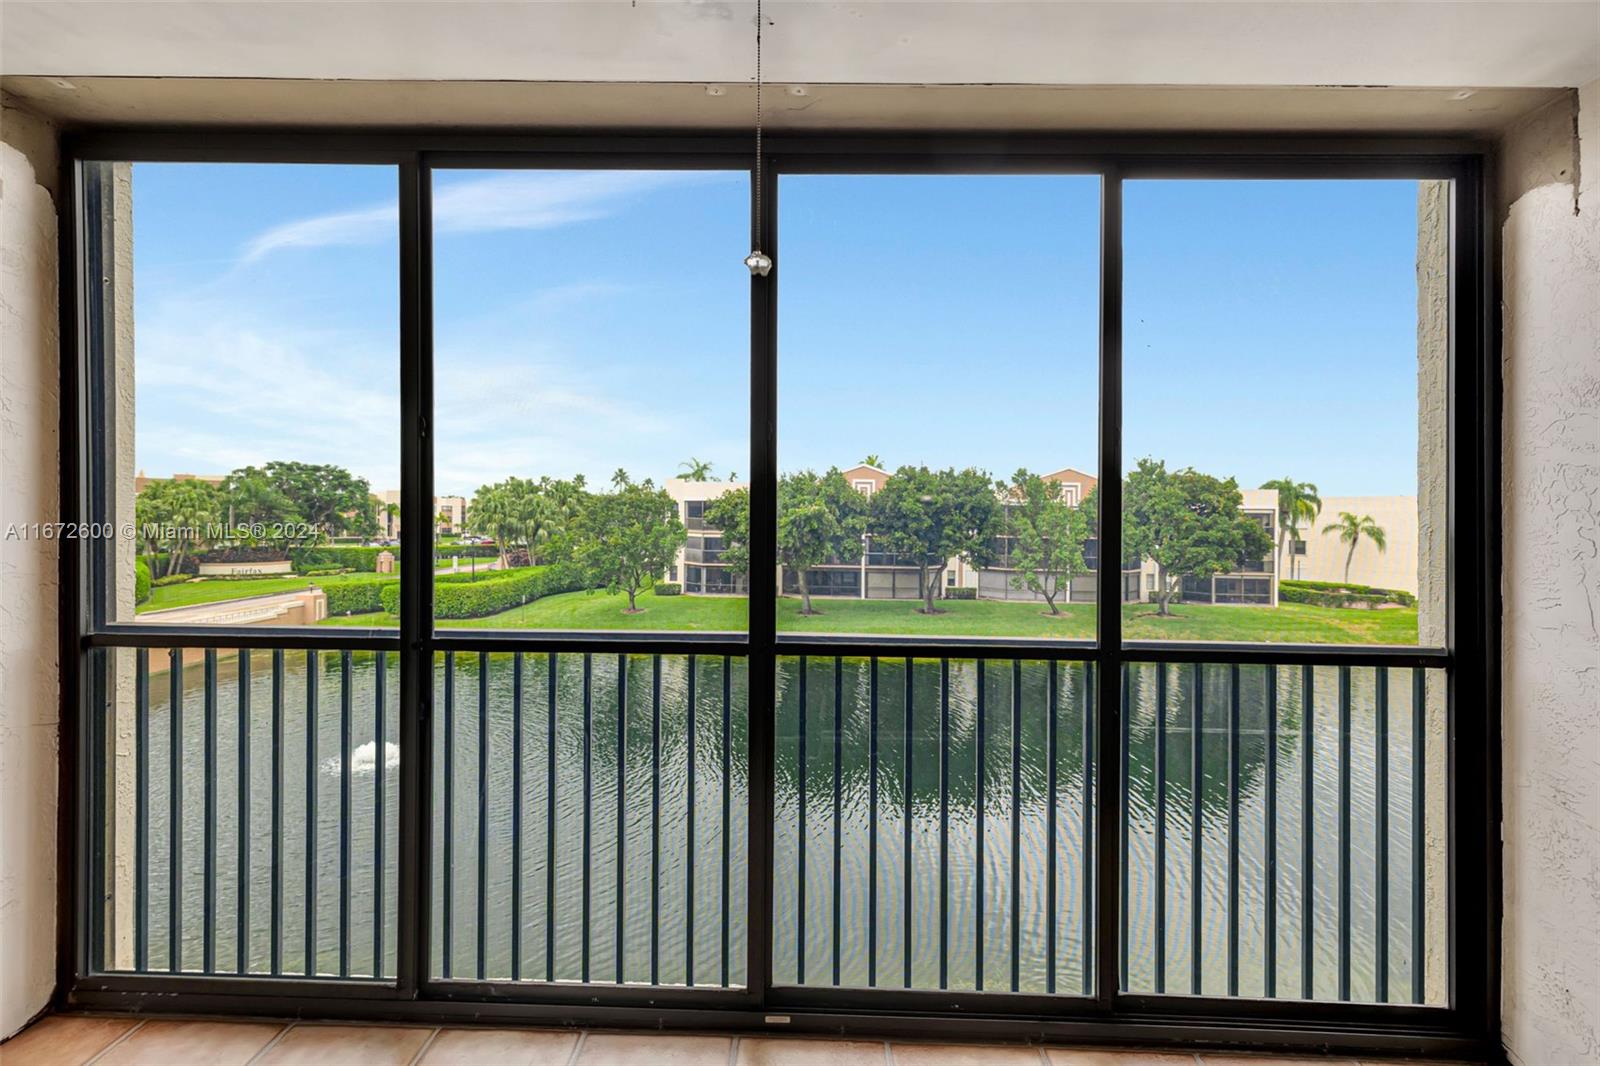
520,200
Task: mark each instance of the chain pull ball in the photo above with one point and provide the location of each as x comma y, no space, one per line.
759,262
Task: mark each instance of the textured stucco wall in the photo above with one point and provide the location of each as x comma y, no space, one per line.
1551,498
29,479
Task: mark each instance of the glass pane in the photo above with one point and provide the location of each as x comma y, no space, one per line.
589,818
1285,411
937,396
931,820
256,830
591,393
1315,842
249,396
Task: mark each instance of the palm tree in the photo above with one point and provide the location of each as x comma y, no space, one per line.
1351,528
873,461
696,469
1297,502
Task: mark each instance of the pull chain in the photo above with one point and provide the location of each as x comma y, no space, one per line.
759,262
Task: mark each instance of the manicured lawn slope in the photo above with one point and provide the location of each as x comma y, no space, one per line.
192,592
1287,623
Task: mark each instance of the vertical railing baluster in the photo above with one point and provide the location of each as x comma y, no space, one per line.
980,851
175,810
346,753
1344,832
1380,843
208,815
241,951
1052,702
1161,830
1196,828
838,806
727,806
1016,824
278,789
1233,829
655,820
622,813
1126,844
482,885
1269,948
588,808
551,688
141,812
448,907
1419,765
1090,760
312,961
1308,885
380,812
800,836
872,827
944,827
691,849
516,815
906,827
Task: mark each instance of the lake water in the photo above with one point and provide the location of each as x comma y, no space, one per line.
690,838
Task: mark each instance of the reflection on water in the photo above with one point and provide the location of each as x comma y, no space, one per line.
669,926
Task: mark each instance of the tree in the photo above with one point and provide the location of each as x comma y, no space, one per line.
730,513
873,460
1188,524
696,469
251,498
934,516
1297,502
1048,534
391,511
176,516
1351,528
330,499
629,535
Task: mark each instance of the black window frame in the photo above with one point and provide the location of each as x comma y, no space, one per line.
1467,1025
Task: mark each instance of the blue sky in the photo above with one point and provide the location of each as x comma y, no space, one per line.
586,321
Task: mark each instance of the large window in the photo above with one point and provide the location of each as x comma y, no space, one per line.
1043,597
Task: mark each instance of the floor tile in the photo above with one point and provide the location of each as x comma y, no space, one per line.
765,1051
63,1040
964,1055
655,1049
177,1043
346,1045
1065,1056
500,1047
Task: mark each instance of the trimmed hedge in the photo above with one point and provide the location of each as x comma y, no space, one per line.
360,595
1339,594
459,596
141,581
171,579
326,557
960,593
158,565
666,588
242,553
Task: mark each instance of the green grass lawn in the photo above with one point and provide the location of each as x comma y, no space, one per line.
214,591
1288,623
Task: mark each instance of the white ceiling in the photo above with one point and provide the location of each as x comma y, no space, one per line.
1304,42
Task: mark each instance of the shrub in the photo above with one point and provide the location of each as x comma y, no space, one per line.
328,572
960,593
141,581
325,557
243,553
460,596
1339,594
359,595
158,565
667,588
170,579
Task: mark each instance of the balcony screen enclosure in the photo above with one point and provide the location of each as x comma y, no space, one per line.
718,705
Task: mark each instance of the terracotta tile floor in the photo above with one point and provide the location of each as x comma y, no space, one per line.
80,1039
